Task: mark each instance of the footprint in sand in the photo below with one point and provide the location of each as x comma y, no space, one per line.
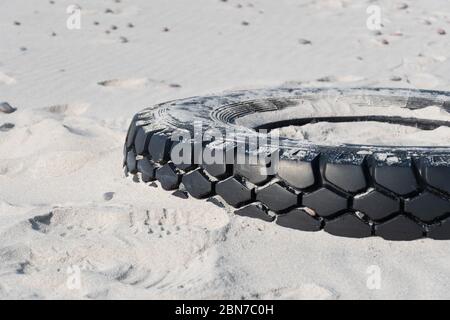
306,291
63,163
136,83
125,83
6,79
75,109
423,80
15,259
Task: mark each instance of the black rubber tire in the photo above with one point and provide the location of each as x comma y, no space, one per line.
348,190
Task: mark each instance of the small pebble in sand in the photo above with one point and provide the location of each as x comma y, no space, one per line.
396,78
245,23
402,6
385,42
52,2
360,58
165,29
17,23
377,33
441,31
6,126
130,25
304,41
427,22
107,31
108,195
96,23
109,11
53,34
5,107
23,48
113,27
175,85
124,40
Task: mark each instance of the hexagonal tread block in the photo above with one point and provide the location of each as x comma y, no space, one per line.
183,155
256,174
197,184
299,219
376,205
142,140
219,170
298,174
400,180
159,147
147,170
131,162
348,225
234,192
253,211
427,206
440,231
399,228
217,160
438,177
325,202
168,176
347,177
276,197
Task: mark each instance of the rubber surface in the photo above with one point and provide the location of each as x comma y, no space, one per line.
350,190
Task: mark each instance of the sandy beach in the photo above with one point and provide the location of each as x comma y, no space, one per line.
72,226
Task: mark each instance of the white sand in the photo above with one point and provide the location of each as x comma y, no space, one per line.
366,133
76,92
